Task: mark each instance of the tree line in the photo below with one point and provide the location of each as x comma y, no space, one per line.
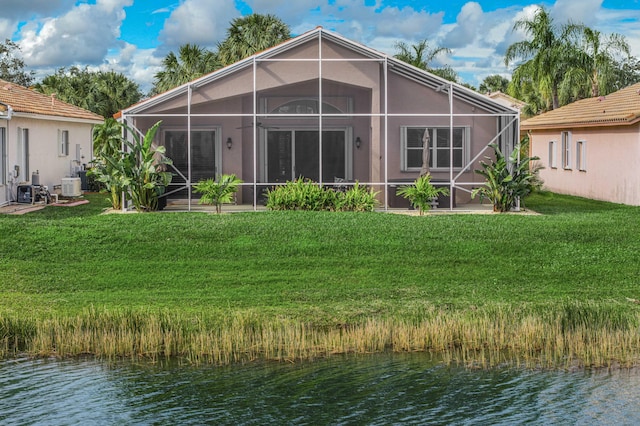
554,65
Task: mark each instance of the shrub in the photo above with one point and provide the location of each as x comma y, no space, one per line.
421,193
217,192
357,199
507,179
303,194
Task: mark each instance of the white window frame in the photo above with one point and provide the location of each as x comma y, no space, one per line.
23,155
63,143
3,156
581,155
553,158
566,150
433,152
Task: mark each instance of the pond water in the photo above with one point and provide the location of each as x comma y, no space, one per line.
377,390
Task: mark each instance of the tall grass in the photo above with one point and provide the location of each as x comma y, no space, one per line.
479,290
568,335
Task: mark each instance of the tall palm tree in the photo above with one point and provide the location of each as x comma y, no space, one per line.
544,55
597,60
114,92
251,34
192,62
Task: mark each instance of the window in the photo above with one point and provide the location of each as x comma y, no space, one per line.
566,150
3,155
439,147
553,160
205,153
63,143
581,156
23,155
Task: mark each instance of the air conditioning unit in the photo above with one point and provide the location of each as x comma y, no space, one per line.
71,187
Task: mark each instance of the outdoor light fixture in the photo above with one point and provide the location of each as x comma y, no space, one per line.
229,143
358,142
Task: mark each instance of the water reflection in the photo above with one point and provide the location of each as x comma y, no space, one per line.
380,389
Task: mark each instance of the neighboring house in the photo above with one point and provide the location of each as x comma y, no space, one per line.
328,109
40,134
591,148
507,100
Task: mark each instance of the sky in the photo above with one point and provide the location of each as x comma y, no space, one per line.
133,36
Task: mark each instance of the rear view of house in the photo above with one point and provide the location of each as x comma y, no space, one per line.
42,136
325,108
591,148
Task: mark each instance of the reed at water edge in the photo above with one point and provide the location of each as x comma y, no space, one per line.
564,336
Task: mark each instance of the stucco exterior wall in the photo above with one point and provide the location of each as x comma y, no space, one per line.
44,154
612,163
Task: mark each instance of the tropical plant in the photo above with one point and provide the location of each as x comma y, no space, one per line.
421,55
107,142
595,64
192,62
251,34
219,191
421,193
139,170
300,194
544,56
12,66
494,83
102,92
507,179
356,199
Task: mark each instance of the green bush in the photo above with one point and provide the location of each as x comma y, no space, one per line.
356,199
304,194
421,193
219,191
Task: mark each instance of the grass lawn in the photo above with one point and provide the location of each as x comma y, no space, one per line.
325,269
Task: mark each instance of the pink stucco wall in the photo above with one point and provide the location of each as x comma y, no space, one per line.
612,163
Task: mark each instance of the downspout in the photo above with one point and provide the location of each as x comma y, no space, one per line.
189,93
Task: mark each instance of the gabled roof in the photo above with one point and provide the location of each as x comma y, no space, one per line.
394,65
27,101
620,108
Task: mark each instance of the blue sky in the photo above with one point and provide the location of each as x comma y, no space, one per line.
132,36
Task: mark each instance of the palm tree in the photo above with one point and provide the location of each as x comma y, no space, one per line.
251,34
114,92
419,55
192,62
544,55
494,83
597,60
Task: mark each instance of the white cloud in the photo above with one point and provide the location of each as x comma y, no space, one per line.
468,25
201,22
577,11
83,35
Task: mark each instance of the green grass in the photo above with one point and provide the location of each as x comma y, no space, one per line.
322,268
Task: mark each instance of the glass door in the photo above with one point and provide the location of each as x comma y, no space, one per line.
296,153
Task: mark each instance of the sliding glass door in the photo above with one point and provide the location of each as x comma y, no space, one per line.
296,153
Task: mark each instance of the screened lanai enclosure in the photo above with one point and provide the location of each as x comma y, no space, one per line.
325,108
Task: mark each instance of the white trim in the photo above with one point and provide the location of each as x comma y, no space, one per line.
63,143
553,154
433,151
566,150
581,155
